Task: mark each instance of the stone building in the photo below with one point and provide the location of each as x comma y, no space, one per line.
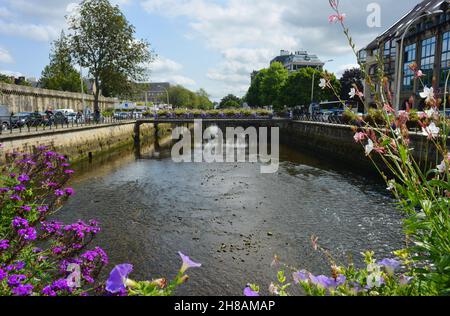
426,31
156,92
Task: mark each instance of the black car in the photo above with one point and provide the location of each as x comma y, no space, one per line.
19,119
34,119
59,118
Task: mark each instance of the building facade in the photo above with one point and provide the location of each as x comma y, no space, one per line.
298,60
426,32
156,93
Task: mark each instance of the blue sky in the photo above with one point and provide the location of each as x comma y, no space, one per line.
211,44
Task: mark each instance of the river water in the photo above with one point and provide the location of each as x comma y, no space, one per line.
230,217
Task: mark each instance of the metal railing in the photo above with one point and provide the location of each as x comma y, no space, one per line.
13,126
321,118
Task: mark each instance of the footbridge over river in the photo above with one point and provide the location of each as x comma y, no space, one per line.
235,122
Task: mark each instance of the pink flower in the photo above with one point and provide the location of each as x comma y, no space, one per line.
419,74
388,108
359,137
334,18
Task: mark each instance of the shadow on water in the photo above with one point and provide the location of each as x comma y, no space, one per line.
229,216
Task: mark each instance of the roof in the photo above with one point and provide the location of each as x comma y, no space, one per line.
397,29
300,57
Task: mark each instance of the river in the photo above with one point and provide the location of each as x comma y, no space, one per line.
230,217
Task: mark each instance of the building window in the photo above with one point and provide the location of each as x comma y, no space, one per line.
427,59
389,53
410,57
445,60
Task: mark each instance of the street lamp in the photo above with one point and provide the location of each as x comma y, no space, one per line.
443,8
167,92
314,78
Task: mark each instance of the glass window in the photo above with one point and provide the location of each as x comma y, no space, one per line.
427,59
445,59
410,57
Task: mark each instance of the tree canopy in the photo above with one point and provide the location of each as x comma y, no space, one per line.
60,74
272,82
181,97
230,101
103,41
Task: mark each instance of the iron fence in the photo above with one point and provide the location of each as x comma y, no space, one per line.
12,127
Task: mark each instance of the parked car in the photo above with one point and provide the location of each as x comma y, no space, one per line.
59,118
19,119
5,116
46,118
34,119
75,118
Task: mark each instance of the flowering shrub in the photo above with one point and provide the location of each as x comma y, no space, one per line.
39,256
423,267
226,113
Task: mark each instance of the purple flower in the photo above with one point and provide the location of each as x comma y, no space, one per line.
322,281
42,148
390,265
20,222
19,265
4,190
26,208
4,244
68,171
118,277
12,175
23,178
42,209
187,263
300,276
19,188
28,233
59,193
49,154
249,292
16,279
69,192
65,165
15,197
3,274
23,290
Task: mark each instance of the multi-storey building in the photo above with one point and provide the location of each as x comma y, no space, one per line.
426,41
298,60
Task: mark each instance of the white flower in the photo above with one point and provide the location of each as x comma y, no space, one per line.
431,131
374,268
352,93
369,147
391,185
431,112
374,280
442,167
323,84
273,289
427,94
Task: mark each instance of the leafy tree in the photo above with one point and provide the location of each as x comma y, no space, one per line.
272,83
104,42
254,94
202,100
230,101
297,89
6,79
60,73
351,78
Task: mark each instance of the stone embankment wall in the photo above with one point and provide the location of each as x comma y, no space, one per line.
77,143
335,142
28,99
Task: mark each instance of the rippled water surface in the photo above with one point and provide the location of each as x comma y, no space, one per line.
230,217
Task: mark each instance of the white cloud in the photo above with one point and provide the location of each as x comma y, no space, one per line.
11,73
343,68
248,33
5,57
32,31
167,70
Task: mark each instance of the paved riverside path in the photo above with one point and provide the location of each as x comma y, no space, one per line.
25,132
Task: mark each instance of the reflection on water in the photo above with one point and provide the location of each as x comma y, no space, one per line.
230,217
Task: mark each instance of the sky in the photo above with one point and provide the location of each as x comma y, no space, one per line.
210,44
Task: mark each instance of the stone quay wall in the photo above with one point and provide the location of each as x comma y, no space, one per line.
28,99
77,143
335,142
